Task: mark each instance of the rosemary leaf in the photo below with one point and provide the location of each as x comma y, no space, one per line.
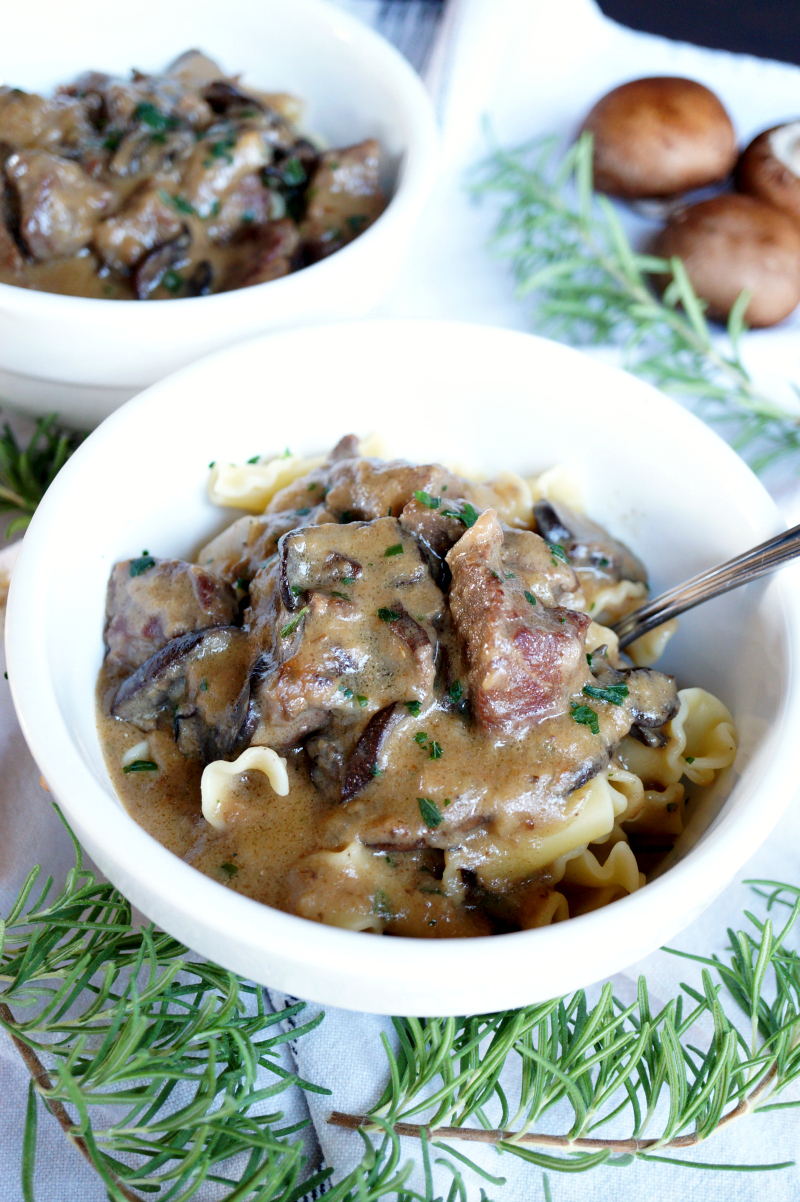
27,472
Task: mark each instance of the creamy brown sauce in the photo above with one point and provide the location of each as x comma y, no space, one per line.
417,663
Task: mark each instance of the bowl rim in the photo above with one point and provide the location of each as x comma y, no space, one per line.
418,171
730,845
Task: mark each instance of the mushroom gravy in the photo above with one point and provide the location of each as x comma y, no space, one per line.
171,185
454,733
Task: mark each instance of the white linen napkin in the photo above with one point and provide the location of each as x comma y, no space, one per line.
531,66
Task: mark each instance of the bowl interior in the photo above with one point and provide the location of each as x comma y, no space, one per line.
652,473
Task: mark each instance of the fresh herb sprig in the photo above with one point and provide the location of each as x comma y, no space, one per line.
27,472
572,259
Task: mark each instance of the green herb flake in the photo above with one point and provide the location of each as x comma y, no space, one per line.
558,552
589,658
413,708
455,692
495,574
293,172
204,685
140,766
296,589
388,615
376,771
615,694
341,596
435,751
142,564
529,597
689,759
362,701
254,459
172,280
230,870
427,500
290,627
584,715
348,579
421,738
430,812
446,802
604,562
348,693
152,117
396,549
381,905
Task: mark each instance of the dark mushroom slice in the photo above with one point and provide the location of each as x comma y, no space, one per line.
152,601
201,280
228,99
197,686
587,545
659,137
364,759
651,698
161,269
770,168
731,243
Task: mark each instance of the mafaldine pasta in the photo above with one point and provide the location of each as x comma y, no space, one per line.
387,698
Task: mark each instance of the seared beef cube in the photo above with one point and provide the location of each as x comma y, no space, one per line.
59,204
526,659
152,601
146,220
344,198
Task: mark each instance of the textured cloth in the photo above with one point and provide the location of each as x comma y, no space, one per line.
531,66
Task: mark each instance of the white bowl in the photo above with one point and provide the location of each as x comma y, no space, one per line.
654,473
84,357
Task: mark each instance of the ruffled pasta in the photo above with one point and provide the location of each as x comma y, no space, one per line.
215,781
252,486
701,740
558,483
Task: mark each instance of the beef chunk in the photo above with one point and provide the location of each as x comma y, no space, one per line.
197,686
349,614
345,198
264,253
59,204
525,660
31,122
152,601
145,221
219,162
242,550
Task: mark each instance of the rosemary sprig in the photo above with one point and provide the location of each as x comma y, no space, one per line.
571,258
607,1064
107,1015
27,472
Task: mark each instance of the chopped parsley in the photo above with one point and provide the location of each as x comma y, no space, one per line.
290,627
221,150
293,172
435,751
142,564
151,116
689,759
381,905
348,693
254,459
396,549
421,738
362,701
455,692
558,552
178,203
348,579
467,515
341,596
296,589
112,139
172,280
413,708
388,615
589,658
615,694
604,564
141,766
430,812
376,771
204,685
230,870
510,576
584,715
426,499
529,597
495,574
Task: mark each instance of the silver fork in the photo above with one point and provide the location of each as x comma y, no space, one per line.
772,554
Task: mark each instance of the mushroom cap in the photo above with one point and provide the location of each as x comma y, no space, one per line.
770,167
660,136
732,242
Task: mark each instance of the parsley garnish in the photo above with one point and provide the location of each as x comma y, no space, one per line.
495,574
376,771
584,715
388,615
149,115
558,552
254,459
230,870
396,549
204,685
290,627
347,692
430,812
455,692
141,766
341,596
293,173
426,499
381,905
436,751
468,515
221,150
348,579
172,280
362,701
589,658
690,759
530,598
614,693
137,566
421,738
413,708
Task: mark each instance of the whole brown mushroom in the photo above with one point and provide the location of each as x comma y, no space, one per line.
733,242
770,167
658,137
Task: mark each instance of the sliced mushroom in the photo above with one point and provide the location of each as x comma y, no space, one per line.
731,243
198,685
587,545
660,136
163,266
770,167
651,699
363,760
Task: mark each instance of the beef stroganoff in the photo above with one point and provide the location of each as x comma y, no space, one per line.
387,698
